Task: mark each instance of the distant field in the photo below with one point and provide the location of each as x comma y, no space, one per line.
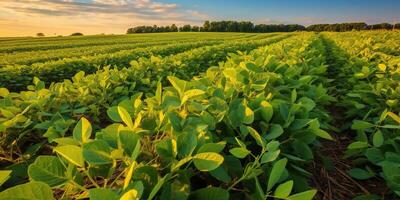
201,116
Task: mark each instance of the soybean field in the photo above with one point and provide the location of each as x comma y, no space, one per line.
216,116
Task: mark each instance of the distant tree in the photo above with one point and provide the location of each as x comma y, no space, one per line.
174,28
195,29
185,28
76,34
206,26
40,34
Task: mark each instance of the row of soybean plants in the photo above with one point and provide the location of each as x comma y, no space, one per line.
31,116
371,94
53,43
245,128
17,78
387,42
30,57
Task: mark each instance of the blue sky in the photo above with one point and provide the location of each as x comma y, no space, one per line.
300,11
54,17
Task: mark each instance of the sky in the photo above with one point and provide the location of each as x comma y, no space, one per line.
63,17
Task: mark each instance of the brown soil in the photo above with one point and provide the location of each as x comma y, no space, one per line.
335,183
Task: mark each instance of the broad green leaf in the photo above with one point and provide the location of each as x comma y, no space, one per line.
322,134
358,145
97,152
302,150
284,190
378,139
191,94
275,131
207,161
212,147
28,191
361,125
270,156
178,84
167,148
48,169
210,193
276,173
125,117
248,115
71,153
130,142
360,174
82,130
266,111
239,152
221,174
175,121
307,195
102,194
4,176
113,114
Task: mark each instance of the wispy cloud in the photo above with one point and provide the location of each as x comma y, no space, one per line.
109,16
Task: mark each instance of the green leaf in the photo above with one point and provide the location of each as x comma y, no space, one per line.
307,195
360,174
48,169
175,121
210,193
276,173
361,125
266,111
322,134
28,191
71,153
102,194
239,152
207,161
270,156
125,117
4,176
284,190
113,114
358,145
378,139
82,130
256,136
275,131
97,152
178,84
212,147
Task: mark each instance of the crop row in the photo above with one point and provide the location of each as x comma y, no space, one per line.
69,42
369,92
246,127
30,57
17,78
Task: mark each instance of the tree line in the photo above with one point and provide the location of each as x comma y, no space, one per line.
246,26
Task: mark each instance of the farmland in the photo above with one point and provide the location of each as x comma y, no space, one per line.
295,116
